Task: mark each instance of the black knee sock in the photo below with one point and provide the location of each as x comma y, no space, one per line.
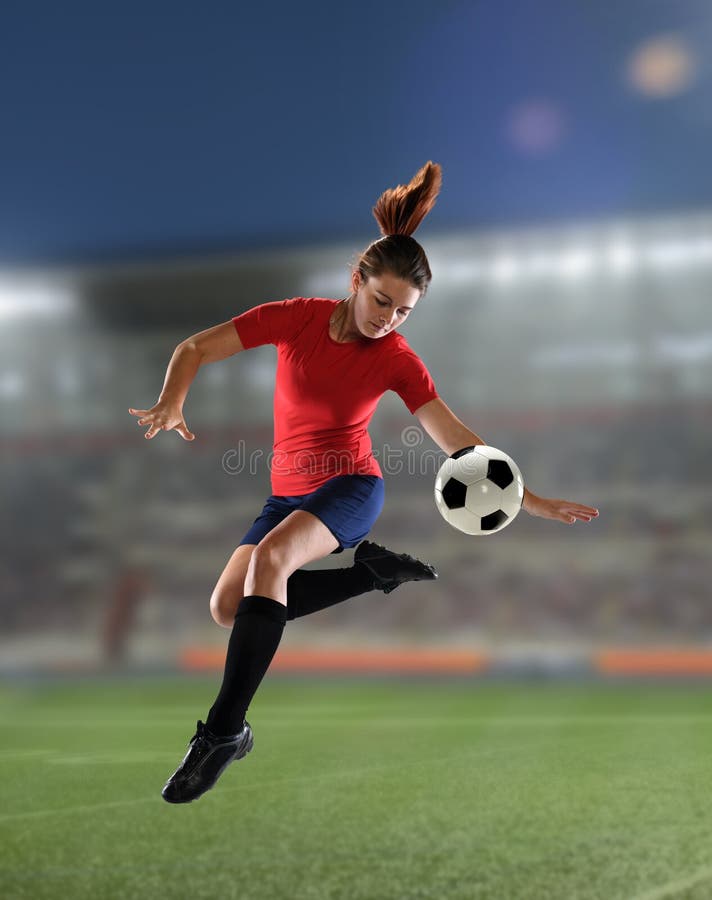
256,634
309,591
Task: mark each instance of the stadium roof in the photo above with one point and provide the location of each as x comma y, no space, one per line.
145,131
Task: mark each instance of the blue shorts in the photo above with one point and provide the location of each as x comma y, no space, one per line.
347,504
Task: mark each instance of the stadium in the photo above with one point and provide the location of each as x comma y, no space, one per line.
535,723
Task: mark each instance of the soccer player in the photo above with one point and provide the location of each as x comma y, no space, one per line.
335,359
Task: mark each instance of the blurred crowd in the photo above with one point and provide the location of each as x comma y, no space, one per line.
135,538
597,385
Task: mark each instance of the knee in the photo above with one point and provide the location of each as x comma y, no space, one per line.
267,559
223,607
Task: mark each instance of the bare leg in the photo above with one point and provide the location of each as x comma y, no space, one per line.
230,588
298,539
262,613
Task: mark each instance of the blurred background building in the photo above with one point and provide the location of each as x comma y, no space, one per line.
156,181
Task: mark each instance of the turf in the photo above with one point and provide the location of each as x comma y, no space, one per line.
361,791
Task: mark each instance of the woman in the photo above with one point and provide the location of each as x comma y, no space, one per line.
335,360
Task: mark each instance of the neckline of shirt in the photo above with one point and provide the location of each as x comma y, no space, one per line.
362,340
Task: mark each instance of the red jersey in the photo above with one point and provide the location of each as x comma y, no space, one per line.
326,392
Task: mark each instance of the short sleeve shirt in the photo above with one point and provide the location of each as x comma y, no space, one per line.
326,392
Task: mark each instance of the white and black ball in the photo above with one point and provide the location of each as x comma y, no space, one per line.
479,490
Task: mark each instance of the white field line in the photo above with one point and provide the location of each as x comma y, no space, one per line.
255,786
672,888
102,757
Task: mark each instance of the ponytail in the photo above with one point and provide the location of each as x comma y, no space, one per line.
399,211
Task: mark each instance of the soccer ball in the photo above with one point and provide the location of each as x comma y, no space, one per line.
479,490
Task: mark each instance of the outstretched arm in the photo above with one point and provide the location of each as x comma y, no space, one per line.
450,434
211,345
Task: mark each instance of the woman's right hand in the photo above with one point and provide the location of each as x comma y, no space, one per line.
163,417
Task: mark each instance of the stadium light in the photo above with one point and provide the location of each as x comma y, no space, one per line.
670,254
621,257
504,269
539,265
328,282
620,249
22,297
463,271
575,264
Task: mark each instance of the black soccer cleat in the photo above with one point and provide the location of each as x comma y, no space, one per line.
391,569
207,758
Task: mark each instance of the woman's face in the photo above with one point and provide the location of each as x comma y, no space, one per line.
382,303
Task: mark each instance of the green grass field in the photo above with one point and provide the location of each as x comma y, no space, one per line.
368,790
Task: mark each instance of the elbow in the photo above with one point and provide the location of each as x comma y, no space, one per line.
189,347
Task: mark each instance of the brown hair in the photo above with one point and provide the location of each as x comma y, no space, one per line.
398,212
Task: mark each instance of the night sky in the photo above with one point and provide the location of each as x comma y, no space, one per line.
163,129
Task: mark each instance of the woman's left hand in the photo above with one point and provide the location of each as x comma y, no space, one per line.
560,510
